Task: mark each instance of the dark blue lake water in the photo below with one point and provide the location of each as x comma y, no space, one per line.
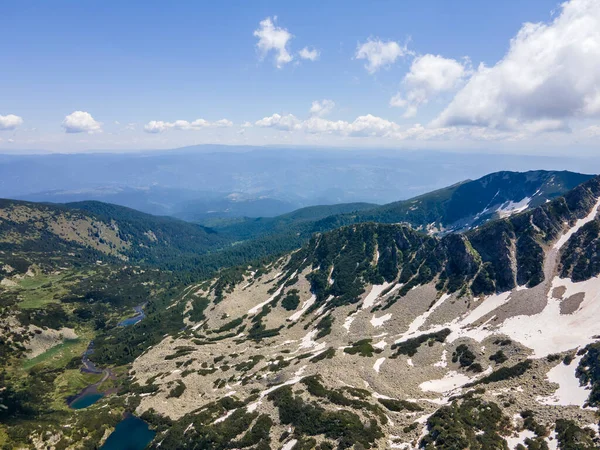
131,433
85,400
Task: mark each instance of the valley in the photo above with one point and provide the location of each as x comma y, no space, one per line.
360,332
300,225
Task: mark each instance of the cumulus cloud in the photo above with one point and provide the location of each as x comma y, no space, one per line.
591,131
272,38
429,75
550,74
367,125
159,126
10,122
81,122
285,123
310,54
379,53
322,107
370,126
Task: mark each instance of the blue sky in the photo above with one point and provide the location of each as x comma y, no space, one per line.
114,75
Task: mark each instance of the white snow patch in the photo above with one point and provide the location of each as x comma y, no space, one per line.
300,371
552,332
376,290
381,344
419,321
581,222
321,309
378,395
490,303
307,304
258,307
510,207
349,321
378,364
379,321
252,406
289,445
223,418
552,441
513,441
309,342
449,382
443,362
569,391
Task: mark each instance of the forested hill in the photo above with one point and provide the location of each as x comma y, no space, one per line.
459,207
95,230
102,229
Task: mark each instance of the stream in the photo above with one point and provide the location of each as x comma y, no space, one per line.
131,433
90,394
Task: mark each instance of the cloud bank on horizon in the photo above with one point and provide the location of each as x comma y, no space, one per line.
548,81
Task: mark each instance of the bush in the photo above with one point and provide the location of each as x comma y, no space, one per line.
410,346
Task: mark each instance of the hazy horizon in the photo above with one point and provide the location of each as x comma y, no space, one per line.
494,77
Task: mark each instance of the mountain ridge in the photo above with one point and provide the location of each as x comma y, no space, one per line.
371,335
385,325
432,215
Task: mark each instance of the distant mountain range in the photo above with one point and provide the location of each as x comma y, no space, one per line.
455,208
213,182
125,233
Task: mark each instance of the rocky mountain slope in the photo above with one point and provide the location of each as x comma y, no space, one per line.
459,207
379,336
371,335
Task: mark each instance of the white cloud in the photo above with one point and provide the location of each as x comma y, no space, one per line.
309,54
370,126
550,72
285,123
322,108
429,76
367,125
81,122
591,131
379,54
318,125
273,38
158,126
10,122
155,126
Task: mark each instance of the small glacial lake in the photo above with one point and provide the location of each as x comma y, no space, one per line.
132,433
90,394
85,400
